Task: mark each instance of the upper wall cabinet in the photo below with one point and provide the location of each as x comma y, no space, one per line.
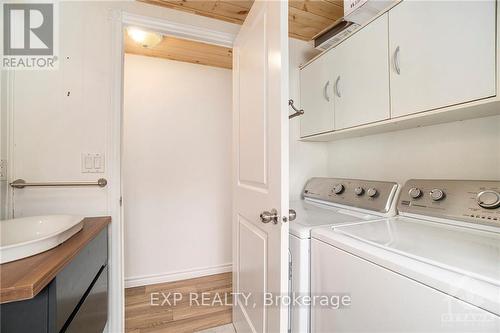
316,96
442,53
419,63
361,77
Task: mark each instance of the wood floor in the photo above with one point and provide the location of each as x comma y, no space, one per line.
145,313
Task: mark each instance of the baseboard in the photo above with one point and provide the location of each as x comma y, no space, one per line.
136,281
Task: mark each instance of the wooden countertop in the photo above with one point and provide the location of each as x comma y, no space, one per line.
25,278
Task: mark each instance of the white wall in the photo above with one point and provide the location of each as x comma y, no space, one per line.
51,129
176,170
62,113
307,159
460,150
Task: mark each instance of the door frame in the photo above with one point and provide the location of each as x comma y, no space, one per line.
119,21
7,92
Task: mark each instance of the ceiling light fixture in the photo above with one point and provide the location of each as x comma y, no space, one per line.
147,39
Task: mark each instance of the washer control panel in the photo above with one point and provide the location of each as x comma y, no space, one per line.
366,194
464,200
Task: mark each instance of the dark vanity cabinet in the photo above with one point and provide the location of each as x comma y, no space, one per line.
75,301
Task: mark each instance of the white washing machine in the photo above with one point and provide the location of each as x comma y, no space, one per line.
329,201
434,268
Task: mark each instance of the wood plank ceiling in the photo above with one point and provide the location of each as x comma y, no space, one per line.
184,50
306,18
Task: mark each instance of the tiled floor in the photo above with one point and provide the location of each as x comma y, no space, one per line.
220,329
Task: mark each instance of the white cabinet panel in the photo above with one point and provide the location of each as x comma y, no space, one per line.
442,53
316,96
361,77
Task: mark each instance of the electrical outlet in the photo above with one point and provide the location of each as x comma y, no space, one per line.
3,169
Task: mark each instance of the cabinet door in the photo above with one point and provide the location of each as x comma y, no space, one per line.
442,53
316,96
361,77
92,314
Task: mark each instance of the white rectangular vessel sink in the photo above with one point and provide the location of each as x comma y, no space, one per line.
27,236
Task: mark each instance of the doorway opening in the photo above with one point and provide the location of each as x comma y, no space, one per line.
176,182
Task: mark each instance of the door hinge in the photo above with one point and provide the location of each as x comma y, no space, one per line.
121,201
290,270
3,169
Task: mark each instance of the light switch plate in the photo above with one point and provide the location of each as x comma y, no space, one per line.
93,163
3,169
98,163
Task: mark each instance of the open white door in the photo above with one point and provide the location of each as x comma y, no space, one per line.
260,136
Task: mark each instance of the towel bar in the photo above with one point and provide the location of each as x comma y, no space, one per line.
21,183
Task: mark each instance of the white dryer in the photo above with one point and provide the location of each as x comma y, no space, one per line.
328,202
434,268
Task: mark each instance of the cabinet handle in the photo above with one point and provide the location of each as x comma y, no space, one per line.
396,61
337,88
325,91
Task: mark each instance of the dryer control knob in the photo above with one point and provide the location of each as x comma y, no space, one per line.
338,189
372,192
415,193
488,199
359,191
437,194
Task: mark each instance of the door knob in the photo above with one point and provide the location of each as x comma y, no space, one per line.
271,216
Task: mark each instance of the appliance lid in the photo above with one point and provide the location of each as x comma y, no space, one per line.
463,250
312,214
